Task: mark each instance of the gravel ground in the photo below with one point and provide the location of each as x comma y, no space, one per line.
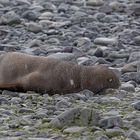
87,32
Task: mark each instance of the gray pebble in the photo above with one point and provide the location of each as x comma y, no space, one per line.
136,105
105,41
111,122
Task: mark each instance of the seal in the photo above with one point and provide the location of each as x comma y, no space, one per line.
24,72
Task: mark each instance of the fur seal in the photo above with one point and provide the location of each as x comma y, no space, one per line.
23,72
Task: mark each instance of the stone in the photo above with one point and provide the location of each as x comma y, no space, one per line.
133,134
74,130
134,56
115,132
63,56
131,67
98,52
85,116
26,110
10,18
136,105
136,10
62,104
10,93
34,27
76,116
5,2
137,40
87,93
23,2
46,16
136,123
4,100
128,87
65,118
111,122
105,41
117,6
30,15
134,76
84,43
86,61
94,2
105,9
16,100
107,99
34,43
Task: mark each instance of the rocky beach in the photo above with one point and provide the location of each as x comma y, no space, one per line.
86,32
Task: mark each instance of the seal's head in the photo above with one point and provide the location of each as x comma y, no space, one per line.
99,78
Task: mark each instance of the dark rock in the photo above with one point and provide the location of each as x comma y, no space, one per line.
136,10
111,122
136,105
30,15
134,76
26,110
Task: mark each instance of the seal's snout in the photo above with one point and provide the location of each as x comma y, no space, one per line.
114,81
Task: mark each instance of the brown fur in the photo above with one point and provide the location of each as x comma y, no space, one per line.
41,74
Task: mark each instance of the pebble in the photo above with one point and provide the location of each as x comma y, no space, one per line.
111,122
94,2
84,43
131,67
74,130
128,87
63,56
10,18
105,41
34,27
26,110
136,105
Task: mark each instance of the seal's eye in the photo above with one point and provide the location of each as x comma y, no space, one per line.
110,80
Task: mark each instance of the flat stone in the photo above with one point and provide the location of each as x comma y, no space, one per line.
128,87
94,2
26,110
74,129
111,122
114,132
76,116
63,56
105,41
34,27
131,67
